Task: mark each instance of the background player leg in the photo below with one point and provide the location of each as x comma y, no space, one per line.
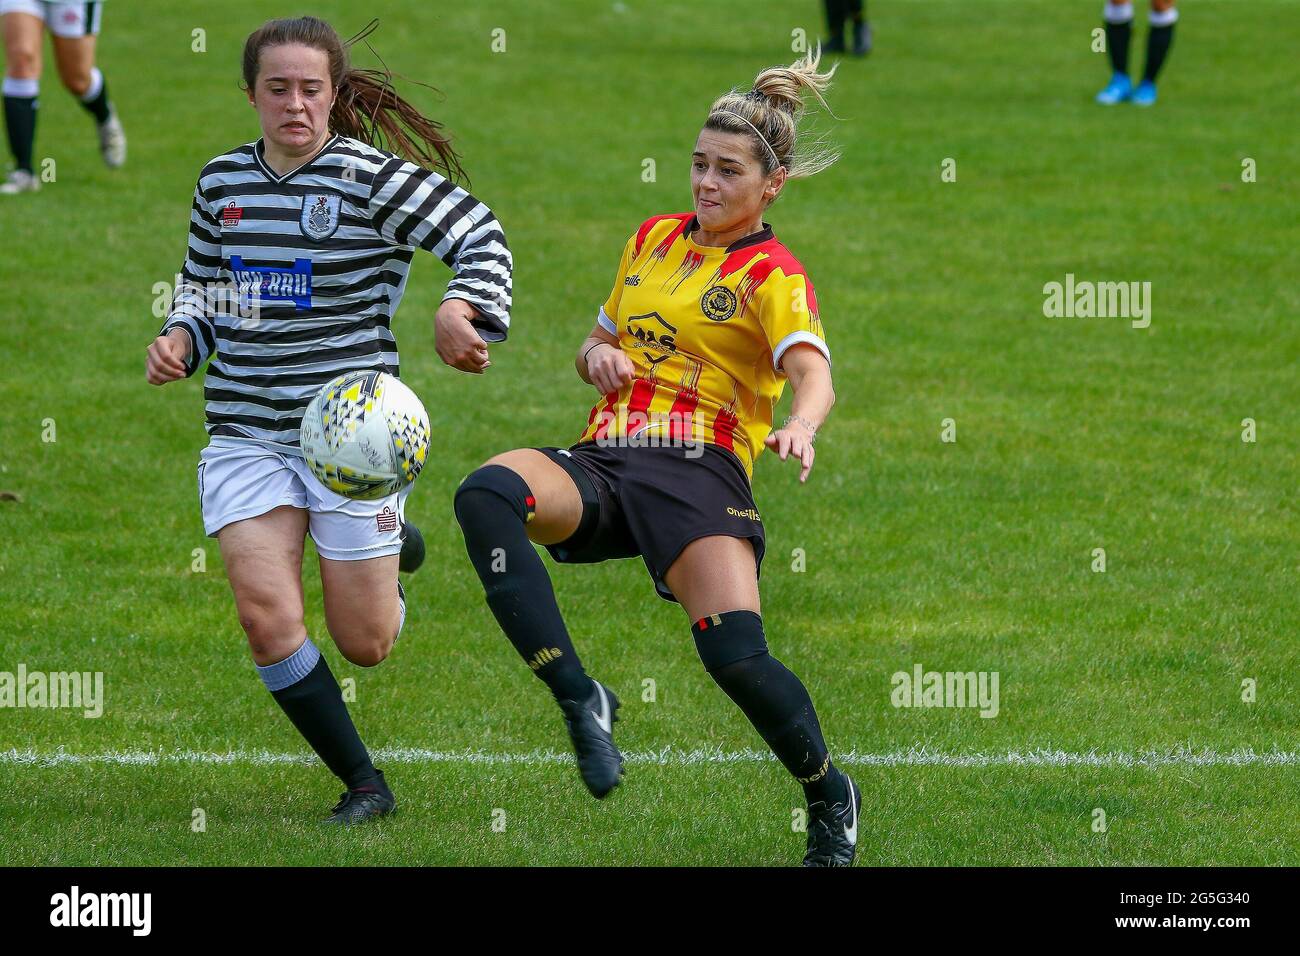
1159,38
22,36
717,584
856,12
1118,18
263,558
835,15
75,57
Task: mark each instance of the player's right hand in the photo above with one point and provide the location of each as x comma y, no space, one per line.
456,340
166,358
609,368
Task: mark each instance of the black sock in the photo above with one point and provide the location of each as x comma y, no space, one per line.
1159,39
20,123
315,705
99,106
734,652
1117,41
493,505
835,17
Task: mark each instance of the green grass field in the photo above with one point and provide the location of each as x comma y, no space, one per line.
1072,434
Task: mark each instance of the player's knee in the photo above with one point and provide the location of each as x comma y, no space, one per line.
366,649
272,630
487,491
78,84
725,639
1160,6
22,65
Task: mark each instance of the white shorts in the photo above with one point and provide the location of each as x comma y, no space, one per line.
242,478
62,19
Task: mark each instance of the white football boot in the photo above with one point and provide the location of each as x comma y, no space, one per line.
19,181
112,141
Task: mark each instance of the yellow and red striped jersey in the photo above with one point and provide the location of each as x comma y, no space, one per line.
706,329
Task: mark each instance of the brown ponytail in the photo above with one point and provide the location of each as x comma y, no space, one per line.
366,106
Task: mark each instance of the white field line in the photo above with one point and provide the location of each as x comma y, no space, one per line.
674,757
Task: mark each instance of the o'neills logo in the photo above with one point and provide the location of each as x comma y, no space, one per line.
103,909
821,772
749,513
544,656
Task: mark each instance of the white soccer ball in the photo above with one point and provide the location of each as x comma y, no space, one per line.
365,435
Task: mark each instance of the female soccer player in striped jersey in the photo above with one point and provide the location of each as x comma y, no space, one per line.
74,28
710,315
313,228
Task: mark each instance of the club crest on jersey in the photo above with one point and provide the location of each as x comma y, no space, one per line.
320,215
718,303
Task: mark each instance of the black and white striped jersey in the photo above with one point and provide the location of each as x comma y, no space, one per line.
291,280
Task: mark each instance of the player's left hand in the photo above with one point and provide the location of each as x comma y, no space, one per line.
793,441
457,341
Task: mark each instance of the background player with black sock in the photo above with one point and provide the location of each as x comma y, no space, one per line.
73,27
1118,18
850,12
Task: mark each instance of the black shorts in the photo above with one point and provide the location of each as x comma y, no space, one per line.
653,502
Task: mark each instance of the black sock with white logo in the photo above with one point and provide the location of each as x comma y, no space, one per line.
304,687
734,651
20,119
493,505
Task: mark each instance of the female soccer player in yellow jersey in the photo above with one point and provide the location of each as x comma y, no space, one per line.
709,316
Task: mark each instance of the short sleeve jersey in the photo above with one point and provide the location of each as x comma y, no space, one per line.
706,329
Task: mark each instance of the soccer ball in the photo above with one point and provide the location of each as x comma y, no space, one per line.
365,435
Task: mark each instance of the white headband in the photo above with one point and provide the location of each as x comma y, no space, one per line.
761,137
